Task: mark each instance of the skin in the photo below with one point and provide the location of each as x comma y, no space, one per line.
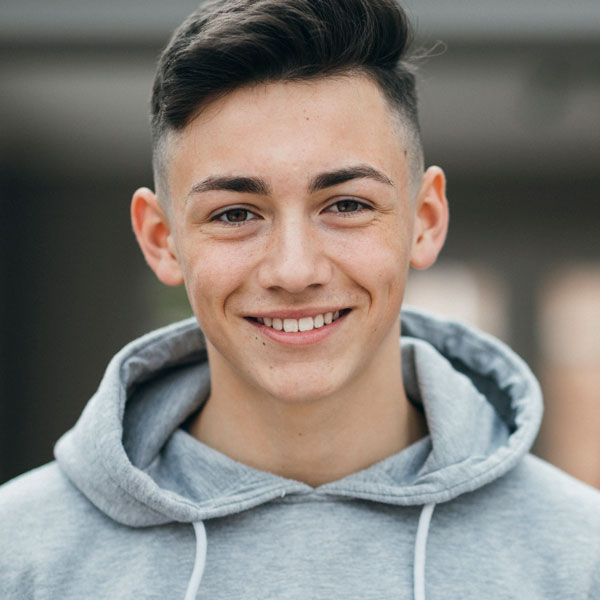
315,410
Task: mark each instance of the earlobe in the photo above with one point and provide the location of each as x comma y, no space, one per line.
153,234
431,219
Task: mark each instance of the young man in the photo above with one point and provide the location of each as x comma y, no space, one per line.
286,443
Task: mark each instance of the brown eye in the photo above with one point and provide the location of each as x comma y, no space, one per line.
235,215
347,206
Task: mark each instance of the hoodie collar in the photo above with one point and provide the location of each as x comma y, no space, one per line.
128,454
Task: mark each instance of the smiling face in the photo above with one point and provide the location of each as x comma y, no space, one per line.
292,226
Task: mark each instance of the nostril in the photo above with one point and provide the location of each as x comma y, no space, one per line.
295,273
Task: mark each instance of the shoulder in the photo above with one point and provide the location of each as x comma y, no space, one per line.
549,490
556,513
44,500
542,503
44,518
41,504
535,527
546,500
37,496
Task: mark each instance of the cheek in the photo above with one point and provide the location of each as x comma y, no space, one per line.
377,261
213,272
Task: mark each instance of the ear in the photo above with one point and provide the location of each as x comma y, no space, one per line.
153,233
431,219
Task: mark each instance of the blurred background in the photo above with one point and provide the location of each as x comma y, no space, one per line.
510,109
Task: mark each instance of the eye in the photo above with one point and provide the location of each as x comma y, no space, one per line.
235,216
347,205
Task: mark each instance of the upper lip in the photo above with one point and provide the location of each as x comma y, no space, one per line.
295,313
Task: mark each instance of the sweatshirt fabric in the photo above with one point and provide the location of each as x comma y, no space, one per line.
135,507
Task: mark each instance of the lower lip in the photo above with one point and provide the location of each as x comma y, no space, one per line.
301,338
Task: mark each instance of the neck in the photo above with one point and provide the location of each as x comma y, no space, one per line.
317,441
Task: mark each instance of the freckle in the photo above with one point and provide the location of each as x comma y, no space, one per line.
307,118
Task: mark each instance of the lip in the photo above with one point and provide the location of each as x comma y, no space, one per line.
299,338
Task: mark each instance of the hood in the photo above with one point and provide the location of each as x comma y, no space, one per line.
129,455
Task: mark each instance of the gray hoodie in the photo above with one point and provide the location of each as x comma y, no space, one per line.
134,507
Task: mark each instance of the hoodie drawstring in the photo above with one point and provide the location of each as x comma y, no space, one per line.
420,550
419,562
199,561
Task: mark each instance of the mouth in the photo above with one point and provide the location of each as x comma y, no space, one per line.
301,324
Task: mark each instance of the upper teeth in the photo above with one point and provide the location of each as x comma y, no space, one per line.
303,324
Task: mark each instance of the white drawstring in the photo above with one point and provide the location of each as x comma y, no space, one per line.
199,561
420,548
419,562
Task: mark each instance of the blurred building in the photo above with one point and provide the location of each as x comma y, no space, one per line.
510,109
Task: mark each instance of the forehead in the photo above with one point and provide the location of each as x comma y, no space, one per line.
286,131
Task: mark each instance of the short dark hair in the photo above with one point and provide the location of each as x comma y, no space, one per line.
227,44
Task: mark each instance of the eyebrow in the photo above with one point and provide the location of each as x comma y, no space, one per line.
245,185
256,185
331,178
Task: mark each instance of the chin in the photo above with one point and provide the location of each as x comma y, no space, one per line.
303,388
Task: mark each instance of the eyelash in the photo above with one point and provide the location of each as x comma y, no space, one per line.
221,217
360,207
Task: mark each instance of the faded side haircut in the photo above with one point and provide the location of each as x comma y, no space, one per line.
228,44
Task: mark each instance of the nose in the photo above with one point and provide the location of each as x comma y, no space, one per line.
294,260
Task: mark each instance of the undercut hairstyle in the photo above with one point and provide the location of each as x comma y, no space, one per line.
229,44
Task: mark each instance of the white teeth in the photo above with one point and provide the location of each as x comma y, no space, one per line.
290,325
303,324
306,324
